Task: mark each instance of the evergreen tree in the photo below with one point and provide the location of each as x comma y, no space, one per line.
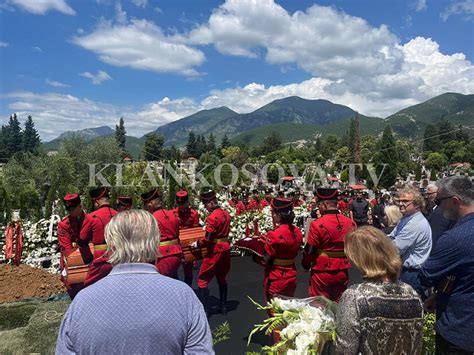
351,137
387,154
3,148
271,143
153,146
211,143
225,143
14,136
31,139
201,145
462,135
446,131
120,134
191,146
431,142
418,172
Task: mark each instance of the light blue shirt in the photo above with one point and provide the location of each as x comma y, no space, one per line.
135,310
412,236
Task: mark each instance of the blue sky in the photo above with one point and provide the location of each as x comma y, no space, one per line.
74,64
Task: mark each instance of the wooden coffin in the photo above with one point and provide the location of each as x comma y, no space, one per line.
186,237
75,267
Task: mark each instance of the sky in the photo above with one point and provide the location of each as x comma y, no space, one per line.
75,64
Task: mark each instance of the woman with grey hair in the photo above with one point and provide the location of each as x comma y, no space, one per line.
134,309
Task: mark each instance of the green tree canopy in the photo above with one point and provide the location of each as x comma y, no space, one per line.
152,149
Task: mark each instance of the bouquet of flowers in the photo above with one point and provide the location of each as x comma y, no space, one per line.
305,325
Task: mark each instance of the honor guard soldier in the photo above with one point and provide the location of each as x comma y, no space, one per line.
217,260
170,251
93,231
324,250
267,200
188,218
124,203
245,205
234,199
68,234
281,248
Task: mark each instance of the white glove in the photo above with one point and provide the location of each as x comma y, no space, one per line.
194,245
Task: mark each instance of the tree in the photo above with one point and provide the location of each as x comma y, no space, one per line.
456,151
201,145
211,143
120,134
446,131
153,146
387,155
431,142
31,139
13,136
462,135
436,161
225,143
271,143
418,172
191,146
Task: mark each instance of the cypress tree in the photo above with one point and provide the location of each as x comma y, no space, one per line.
120,134
388,155
31,139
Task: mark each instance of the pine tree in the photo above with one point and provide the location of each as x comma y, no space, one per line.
211,143
120,134
225,143
31,139
446,131
357,156
462,135
191,146
387,154
431,142
14,136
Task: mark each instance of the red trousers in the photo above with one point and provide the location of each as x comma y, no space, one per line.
274,286
99,269
214,264
169,265
328,283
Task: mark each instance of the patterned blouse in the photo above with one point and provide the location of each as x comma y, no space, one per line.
379,318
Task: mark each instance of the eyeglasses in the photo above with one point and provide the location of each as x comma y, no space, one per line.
404,202
440,199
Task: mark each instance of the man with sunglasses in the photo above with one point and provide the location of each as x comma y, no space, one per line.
450,269
412,236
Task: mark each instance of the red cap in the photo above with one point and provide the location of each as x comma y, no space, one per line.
182,196
71,200
281,204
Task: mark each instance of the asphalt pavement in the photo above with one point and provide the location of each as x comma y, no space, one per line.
246,279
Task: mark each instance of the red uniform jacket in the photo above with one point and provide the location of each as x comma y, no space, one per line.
264,203
68,232
187,219
233,203
344,206
242,208
282,243
325,235
218,223
297,203
169,230
94,226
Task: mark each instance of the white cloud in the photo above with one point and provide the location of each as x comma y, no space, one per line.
56,84
140,3
41,7
120,14
98,78
464,8
420,5
141,45
37,49
4,44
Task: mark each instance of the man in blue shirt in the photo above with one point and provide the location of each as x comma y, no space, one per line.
135,310
412,236
450,269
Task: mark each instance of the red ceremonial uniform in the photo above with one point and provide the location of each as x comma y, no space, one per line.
282,245
93,231
69,229
233,203
171,253
329,275
242,207
344,206
264,203
217,261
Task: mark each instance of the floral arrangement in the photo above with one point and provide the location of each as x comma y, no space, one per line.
304,325
40,243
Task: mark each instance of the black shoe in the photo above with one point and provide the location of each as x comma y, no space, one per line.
223,298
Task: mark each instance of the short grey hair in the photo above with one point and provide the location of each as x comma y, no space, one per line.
418,199
433,187
132,236
459,186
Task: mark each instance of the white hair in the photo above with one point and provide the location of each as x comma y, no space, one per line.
393,215
132,237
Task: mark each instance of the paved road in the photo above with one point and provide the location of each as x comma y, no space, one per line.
246,279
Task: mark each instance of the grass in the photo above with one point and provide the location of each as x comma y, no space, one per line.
30,327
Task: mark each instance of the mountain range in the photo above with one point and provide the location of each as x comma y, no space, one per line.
295,118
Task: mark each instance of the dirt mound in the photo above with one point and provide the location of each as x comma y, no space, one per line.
20,282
